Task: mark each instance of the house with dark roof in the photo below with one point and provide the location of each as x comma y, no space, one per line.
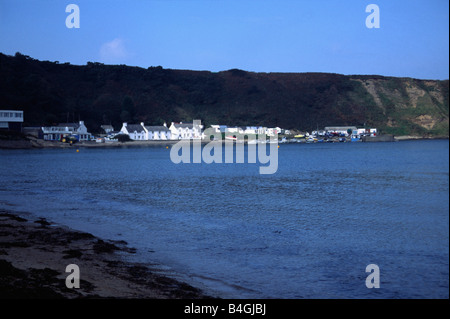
136,132
156,133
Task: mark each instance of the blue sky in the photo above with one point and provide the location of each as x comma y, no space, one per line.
253,35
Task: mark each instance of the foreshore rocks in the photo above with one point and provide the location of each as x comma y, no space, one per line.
34,256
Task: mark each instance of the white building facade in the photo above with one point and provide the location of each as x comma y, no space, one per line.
185,131
365,132
158,133
140,132
136,132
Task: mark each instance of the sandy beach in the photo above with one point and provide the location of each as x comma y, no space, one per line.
34,255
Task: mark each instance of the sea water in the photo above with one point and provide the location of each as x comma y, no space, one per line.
307,231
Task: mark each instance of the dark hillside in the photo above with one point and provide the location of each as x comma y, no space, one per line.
50,92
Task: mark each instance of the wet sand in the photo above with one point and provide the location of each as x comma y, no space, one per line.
34,255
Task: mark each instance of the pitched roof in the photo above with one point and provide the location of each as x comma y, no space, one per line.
157,128
135,127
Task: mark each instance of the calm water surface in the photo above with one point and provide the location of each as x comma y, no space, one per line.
308,231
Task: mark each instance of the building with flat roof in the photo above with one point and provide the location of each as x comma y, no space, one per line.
11,120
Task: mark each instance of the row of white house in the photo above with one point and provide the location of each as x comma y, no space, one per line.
176,131
142,132
183,131
13,119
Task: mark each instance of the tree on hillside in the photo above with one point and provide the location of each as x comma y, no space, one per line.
128,110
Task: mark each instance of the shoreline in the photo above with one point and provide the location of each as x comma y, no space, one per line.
416,137
34,255
34,143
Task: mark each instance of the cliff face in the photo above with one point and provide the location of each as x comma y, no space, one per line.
410,105
49,92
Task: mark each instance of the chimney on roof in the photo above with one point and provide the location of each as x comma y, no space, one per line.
165,124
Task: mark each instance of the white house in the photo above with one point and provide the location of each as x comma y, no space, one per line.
11,120
156,133
58,132
185,131
136,132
